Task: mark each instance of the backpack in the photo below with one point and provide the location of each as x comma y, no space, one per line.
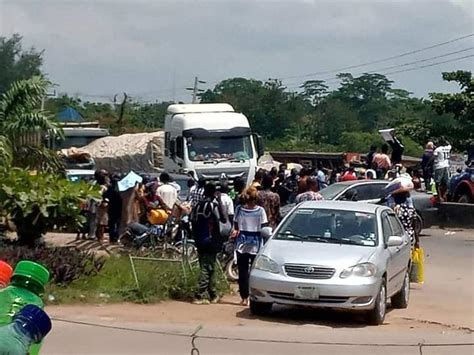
205,223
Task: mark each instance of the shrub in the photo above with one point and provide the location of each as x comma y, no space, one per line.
41,202
64,264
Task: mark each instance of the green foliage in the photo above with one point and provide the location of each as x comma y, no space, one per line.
17,64
41,202
360,141
115,283
64,264
460,105
23,126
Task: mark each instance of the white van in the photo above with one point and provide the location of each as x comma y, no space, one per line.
211,140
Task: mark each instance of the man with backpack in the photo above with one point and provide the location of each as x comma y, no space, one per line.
206,216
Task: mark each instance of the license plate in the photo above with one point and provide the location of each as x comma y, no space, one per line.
306,293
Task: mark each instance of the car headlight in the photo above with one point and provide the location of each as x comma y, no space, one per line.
359,270
264,263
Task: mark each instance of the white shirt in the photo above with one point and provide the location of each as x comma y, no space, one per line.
168,194
227,205
442,155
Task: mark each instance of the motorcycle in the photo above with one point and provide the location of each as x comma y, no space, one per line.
228,260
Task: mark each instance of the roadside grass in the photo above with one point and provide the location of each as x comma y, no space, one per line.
115,282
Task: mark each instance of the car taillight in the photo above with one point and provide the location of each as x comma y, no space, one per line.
433,200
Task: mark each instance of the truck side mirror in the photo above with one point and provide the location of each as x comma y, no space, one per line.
258,140
172,148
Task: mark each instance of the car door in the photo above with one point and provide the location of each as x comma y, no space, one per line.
390,253
401,256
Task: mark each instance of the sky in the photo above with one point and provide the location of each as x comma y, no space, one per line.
153,49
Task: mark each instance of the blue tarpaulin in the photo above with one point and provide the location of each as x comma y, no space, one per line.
70,115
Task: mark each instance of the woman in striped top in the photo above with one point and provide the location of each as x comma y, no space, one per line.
248,222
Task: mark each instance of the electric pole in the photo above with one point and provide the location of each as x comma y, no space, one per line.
195,88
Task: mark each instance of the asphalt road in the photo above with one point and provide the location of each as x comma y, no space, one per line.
441,313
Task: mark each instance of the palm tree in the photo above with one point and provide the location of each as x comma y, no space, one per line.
23,126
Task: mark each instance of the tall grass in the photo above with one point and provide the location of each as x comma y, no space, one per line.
115,283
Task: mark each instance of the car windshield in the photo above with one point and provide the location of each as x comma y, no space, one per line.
329,226
220,148
330,192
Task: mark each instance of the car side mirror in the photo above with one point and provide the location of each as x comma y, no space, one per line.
395,241
266,232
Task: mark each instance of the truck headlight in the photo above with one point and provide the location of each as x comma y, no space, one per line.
359,270
264,263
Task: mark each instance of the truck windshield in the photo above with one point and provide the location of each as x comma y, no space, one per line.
220,148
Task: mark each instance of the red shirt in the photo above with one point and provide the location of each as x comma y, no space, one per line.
349,176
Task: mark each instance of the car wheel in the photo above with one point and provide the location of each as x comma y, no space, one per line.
260,308
417,224
400,300
465,199
232,270
376,315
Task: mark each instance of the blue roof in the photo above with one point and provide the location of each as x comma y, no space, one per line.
70,115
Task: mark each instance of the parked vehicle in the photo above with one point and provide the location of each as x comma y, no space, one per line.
461,186
211,140
334,254
76,175
372,191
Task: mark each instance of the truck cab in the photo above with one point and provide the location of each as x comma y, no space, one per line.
211,140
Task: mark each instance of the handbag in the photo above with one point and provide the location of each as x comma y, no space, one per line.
417,266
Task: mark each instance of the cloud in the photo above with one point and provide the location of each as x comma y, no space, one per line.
142,47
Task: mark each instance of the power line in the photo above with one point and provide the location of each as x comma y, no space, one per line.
381,60
404,64
403,70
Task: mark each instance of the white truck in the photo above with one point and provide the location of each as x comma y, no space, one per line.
211,140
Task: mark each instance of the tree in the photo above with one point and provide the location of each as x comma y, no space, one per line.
314,91
459,105
16,63
23,126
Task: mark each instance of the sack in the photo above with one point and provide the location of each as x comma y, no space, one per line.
398,185
417,263
157,216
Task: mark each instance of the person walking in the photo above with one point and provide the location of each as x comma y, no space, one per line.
382,162
167,193
270,201
321,177
312,194
248,223
205,219
227,206
406,213
370,156
102,179
196,192
427,165
114,210
441,155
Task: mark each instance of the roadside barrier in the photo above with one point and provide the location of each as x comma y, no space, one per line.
452,214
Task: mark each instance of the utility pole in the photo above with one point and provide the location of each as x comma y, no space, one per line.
195,88
43,98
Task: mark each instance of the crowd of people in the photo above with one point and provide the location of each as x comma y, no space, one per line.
239,212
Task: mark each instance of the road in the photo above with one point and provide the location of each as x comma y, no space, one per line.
441,312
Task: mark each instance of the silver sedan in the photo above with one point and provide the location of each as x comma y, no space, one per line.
334,254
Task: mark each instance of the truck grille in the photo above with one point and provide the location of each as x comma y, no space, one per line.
314,272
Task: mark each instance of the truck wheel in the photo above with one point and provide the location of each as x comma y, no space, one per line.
465,199
376,316
400,300
260,308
